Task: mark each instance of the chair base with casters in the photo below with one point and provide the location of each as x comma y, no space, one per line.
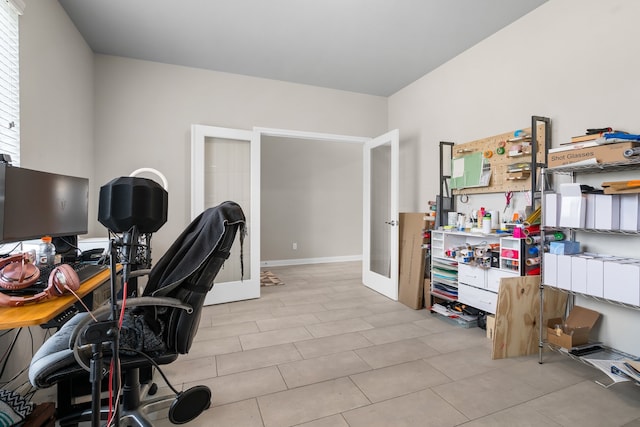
162,325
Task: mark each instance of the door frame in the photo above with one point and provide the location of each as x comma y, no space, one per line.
249,289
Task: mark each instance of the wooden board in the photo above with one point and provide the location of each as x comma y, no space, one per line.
500,181
412,258
518,315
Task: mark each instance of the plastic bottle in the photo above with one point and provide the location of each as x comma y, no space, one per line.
46,252
481,213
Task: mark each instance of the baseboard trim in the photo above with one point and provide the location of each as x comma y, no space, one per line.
302,261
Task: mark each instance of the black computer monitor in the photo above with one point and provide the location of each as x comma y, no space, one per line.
35,204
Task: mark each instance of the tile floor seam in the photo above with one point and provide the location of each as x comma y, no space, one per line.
259,411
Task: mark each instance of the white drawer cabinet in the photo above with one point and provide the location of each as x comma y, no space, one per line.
481,299
493,278
472,275
478,287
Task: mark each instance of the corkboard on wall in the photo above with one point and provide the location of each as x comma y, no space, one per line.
501,180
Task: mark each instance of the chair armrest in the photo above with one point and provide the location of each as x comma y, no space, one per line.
138,273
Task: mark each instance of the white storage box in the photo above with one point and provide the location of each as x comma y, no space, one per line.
564,272
590,214
573,206
550,269
551,209
622,281
579,273
595,273
607,212
630,212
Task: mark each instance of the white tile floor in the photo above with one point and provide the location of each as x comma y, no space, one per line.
322,350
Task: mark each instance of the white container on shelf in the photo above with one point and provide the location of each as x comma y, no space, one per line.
573,206
630,212
551,209
622,281
550,269
607,212
564,272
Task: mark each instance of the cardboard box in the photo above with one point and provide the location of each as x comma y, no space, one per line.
412,258
607,212
575,330
607,153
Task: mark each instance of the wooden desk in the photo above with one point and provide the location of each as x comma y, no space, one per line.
41,312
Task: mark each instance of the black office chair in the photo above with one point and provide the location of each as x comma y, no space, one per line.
161,324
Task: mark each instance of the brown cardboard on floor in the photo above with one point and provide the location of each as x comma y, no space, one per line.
412,258
575,331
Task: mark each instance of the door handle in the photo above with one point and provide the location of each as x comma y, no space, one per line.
392,222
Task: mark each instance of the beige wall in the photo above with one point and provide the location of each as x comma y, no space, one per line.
574,61
311,195
56,93
57,120
144,111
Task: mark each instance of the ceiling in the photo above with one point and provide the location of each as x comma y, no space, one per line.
374,47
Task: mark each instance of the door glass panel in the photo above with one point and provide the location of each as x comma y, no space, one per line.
380,208
227,176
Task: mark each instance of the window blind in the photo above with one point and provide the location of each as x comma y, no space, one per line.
10,79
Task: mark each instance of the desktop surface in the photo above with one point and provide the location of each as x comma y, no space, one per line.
41,312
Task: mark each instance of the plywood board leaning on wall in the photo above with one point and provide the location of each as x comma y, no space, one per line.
412,259
518,315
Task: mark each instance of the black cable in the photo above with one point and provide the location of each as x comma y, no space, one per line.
8,352
31,336
4,255
154,363
68,243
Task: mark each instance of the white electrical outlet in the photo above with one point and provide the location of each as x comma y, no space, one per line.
294,246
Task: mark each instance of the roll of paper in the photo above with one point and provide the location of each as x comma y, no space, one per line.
630,152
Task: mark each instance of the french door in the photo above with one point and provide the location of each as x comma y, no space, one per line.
380,214
225,165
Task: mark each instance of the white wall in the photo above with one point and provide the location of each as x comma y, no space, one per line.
56,119
144,111
311,194
56,93
574,61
